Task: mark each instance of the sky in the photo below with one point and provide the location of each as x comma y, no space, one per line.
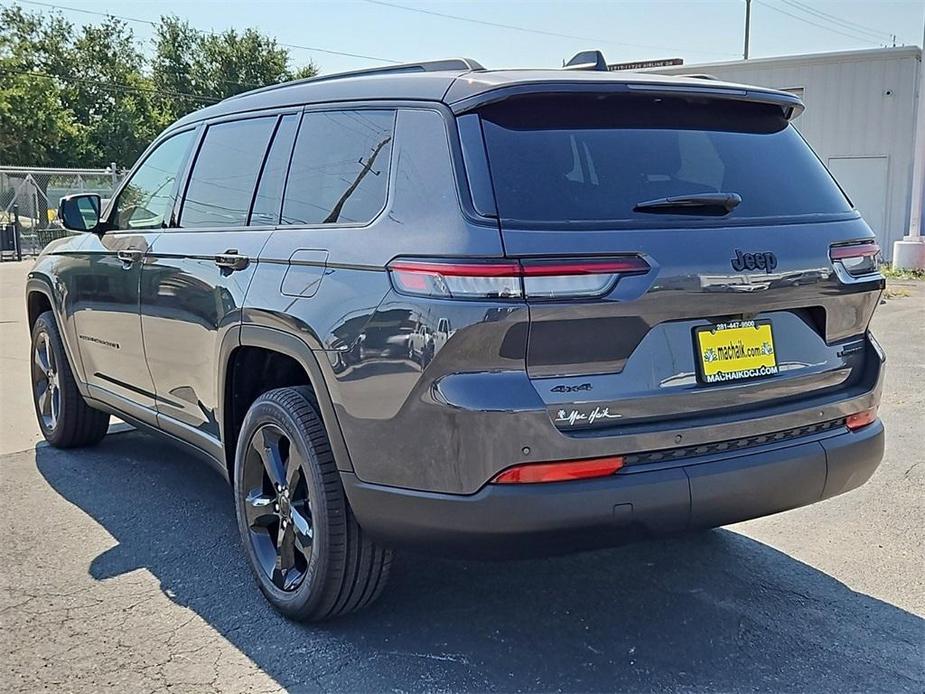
547,32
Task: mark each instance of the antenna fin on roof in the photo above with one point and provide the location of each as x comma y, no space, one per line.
587,60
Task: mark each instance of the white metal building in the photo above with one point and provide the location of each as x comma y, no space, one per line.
860,118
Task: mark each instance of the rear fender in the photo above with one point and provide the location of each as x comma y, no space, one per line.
292,346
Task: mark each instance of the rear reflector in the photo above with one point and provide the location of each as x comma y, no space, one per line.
861,419
543,279
532,473
856,258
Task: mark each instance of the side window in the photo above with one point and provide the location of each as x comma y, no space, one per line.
147,199
340,167
269,198
221,186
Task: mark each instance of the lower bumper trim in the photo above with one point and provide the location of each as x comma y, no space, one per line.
541,519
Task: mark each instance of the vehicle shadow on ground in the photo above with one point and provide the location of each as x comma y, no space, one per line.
717,611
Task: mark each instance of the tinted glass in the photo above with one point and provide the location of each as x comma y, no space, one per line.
596,158
147,199
222,184
269,197
340,167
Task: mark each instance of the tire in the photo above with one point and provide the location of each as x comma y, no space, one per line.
65,418
311,558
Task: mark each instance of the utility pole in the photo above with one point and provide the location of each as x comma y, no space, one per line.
365,168
748,26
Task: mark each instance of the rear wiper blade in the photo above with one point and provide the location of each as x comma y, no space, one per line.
695,203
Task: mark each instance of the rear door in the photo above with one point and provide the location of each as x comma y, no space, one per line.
196,275
721,222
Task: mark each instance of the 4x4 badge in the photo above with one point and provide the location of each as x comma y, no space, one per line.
766,261
571,389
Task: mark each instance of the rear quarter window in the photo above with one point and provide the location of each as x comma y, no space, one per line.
340,167
594,158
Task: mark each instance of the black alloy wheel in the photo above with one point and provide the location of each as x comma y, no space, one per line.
311,558
277,507
45,386
65,418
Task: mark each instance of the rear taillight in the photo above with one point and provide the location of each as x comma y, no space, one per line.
857,258
539,279
861,419
533,473
567,279
469,280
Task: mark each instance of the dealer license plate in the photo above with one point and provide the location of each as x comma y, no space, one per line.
735,351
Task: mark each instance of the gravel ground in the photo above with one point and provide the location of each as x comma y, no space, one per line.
121,568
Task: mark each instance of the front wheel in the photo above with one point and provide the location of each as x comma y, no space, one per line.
311,558
66,420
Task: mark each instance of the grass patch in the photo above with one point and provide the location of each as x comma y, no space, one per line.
893,293
892,274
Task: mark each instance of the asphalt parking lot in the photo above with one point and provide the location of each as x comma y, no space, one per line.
121,567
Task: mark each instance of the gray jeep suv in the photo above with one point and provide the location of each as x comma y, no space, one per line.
483,312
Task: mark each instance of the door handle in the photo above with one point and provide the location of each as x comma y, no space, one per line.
128,258
231,261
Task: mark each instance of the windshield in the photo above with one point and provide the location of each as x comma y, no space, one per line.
581,158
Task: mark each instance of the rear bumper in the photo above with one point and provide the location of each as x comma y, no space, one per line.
506,520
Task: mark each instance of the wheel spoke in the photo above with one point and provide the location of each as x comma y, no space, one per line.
43,398
49,354
268,448
293,468
285,547
302,528
40,359
258,509
278,576
55,400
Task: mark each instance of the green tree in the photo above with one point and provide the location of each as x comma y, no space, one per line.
173,72
112,100
202,68
35,125
87,96
34,128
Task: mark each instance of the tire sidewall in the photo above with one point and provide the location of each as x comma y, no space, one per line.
310,591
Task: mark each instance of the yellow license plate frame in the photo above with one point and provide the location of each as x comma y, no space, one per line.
735,351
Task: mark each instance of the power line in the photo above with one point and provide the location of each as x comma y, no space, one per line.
82,11
541,32
847,24
815,24
202,31
127,19
111,86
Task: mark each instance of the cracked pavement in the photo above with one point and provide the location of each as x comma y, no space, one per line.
121,569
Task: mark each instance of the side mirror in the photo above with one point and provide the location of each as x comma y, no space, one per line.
80,212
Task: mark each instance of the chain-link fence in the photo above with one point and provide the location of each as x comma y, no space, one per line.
29,198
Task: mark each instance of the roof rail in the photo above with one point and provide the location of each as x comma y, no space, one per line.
463,64
701,76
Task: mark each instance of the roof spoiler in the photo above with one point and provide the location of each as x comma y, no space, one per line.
790,105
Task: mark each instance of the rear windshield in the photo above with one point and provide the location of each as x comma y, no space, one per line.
594,158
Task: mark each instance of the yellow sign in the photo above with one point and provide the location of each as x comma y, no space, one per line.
736,350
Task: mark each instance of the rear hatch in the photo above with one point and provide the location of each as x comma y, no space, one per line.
721,226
